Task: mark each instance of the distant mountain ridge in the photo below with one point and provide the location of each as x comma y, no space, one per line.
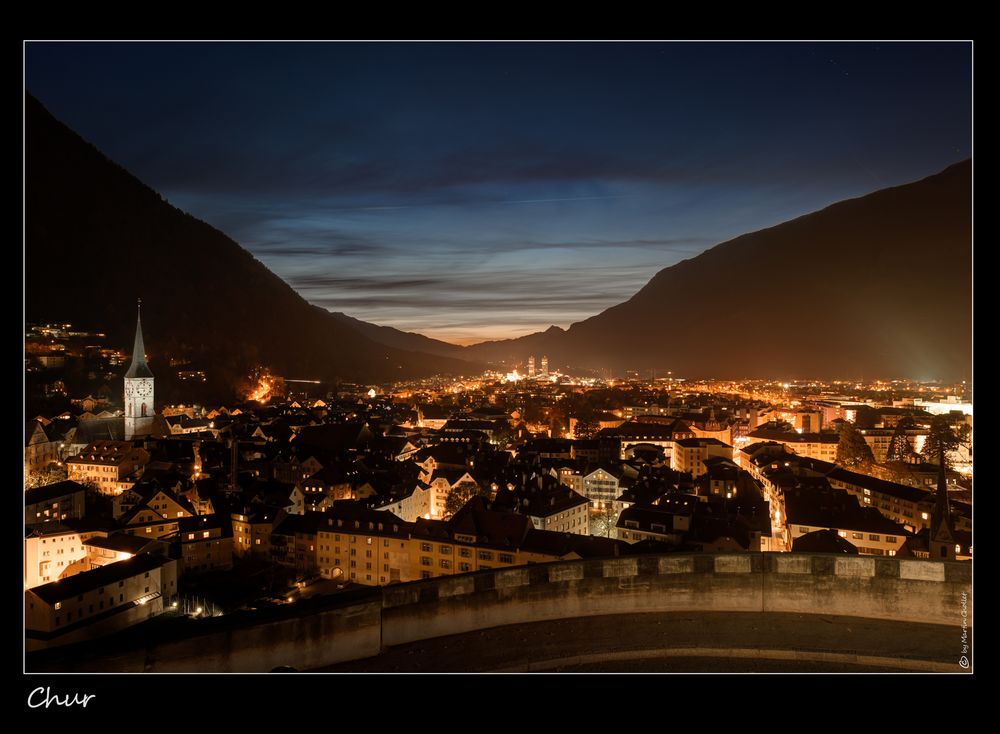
879,285
97,238
393,337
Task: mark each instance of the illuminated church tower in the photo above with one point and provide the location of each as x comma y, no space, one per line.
138,388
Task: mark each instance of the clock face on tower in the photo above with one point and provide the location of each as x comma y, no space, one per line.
143,389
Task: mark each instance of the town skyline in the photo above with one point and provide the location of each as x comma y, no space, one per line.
716,415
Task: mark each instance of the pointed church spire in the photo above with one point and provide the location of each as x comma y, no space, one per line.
942,533
139,368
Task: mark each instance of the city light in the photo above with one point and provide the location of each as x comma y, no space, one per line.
336,409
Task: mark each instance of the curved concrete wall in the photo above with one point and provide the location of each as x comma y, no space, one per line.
860,586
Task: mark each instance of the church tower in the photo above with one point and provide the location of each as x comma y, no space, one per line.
941,537
138,388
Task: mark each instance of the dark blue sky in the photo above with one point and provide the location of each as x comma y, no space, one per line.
472,191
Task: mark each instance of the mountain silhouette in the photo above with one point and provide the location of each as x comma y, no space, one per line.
879,285
97,239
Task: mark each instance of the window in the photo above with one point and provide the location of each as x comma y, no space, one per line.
204,533
464,567
858,536
445,549
425,547
445,563
425,561
464,552
485,556
506,558
873,537
890,539
425,574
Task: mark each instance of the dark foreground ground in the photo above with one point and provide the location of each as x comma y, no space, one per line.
710,642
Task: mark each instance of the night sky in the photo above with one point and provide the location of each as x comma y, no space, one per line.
472,191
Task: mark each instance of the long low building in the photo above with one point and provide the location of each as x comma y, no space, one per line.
821,446
99,602
375,547
809,509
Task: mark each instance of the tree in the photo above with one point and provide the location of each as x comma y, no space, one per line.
49,475
460,494
899,445
586,426
853,450
604,520
940,440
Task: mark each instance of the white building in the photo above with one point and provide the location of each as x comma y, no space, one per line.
138,389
